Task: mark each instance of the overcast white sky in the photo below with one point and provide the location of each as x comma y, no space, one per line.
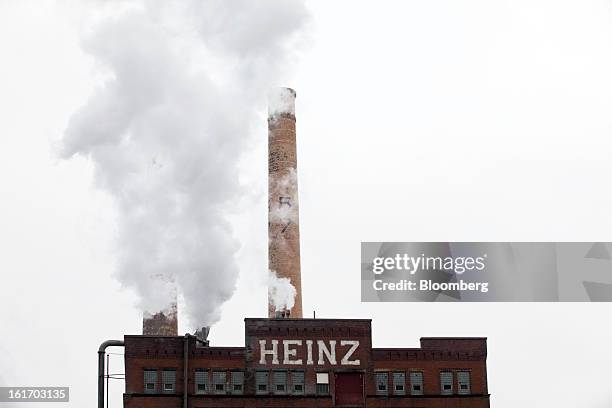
417,121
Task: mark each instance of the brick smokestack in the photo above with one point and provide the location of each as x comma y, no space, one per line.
283,214
163,323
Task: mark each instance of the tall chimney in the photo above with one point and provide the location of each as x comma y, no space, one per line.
283,214
162,323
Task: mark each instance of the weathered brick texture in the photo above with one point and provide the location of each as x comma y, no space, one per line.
283,205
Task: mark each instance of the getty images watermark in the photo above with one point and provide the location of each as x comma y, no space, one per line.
34,394
411,265
486,271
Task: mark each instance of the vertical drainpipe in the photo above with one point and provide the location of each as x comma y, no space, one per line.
185,369
107,377
101,353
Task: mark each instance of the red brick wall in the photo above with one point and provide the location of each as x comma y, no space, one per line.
307,329
436,354
304,402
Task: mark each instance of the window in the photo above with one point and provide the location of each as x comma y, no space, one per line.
261,382
150,381
169,381
280,382
382,381
399,381
201,381
237,382
446,382
416,383
297,382
219,381
463,381
322,383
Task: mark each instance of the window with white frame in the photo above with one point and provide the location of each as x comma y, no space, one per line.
237,386
297,382
201,381
261,382
446,382
322,383
150,381
399,383
280,382
416,383
382,383
169,381
219,378
463,382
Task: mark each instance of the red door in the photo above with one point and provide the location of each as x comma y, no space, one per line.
349,388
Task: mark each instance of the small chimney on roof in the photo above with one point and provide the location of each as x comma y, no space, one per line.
201,336
162,323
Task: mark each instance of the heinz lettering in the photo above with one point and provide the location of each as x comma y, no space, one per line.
319,352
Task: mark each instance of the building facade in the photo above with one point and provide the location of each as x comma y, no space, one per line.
288,361
304,363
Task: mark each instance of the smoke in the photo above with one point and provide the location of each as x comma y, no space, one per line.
184,82
281,101
280,292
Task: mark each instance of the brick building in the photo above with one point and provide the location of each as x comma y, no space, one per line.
304,363
288,361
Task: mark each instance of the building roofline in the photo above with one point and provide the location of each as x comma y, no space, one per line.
453,338
151,336
306,319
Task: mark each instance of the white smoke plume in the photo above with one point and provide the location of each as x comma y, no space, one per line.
165,131
281,101
281,292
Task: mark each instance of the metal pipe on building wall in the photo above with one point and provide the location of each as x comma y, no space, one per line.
107,377
185,369
101,354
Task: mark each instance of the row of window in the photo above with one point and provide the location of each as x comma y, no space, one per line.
292,382
399,383
463,382
220,384
168,381
416,382
280,382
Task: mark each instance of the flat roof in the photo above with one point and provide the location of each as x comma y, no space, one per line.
298,319
453,338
